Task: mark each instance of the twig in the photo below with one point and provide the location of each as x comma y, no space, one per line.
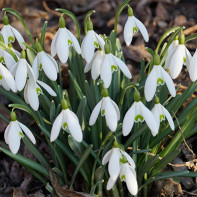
50,10
193,193
190,30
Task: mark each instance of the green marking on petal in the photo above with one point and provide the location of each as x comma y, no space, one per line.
21,134
103,112
70,43
40,67
1,77
123,178
134,30
96,44
184,59
114,68
162,117
139,118
160,81
39,91
2,60
10,39
65,126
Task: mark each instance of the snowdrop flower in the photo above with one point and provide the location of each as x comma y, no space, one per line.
161,112
95,64
91,41
109,109
110,64
45,62
132,26
10,33
193,67
33,90
6,79
179,57
138,113
66,120
21,70
14,132
62,40
158,76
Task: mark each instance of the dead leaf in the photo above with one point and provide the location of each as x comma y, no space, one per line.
19,193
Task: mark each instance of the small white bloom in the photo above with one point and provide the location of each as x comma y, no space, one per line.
132,26
33,90
14,133
62,40
109,109
158,76
128,174
91,41
95,64
66,120
160,113
193,67
6,79
138,112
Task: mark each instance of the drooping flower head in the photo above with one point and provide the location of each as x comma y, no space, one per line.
14,132
10,33
67,120
158,76
193,67
62,40
132,26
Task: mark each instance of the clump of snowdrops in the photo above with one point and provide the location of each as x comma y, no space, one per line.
94,122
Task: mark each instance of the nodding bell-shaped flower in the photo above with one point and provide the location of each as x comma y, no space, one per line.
179,57
67,120
158,76
62,40
45,62
110,64
95,64
193,67
109,109
132,26
10,33
21,70
14,132
161,112
33,90
6,79
138,112
91,41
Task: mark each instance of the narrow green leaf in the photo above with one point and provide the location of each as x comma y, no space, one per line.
44,28
52,111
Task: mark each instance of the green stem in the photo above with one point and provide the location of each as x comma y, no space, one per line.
87,16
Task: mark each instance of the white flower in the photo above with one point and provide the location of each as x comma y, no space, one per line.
160,113
110,64
158,76
179,56
33,90
95,64
109,109
66,120
14,133
47,63
6,79
128,174
61,42
193,67
91,41
132,26
138,113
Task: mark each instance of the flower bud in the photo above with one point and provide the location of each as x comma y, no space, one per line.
182,38
64,104
115,145
157,99
130,11
23,54
104,92
61,22
136,96
5,19
107,48
38,46
89,25
156,59
13,116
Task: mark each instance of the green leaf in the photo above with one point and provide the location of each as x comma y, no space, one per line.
150,51
43,33
192,37
52,111
75,146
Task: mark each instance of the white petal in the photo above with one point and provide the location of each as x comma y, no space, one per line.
169,117
106,74
54,62
74,126
57,124
193,67
188,57
53,44
129,159
151,84
142,29
116,108
6,133
31,74
27,132
35,66
100,41
9,60
106,157
128,120
47,88
5,85
110,183
95,113
128,30
18,36
123,67
87,67
5,34
156,112
14,137
21,74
